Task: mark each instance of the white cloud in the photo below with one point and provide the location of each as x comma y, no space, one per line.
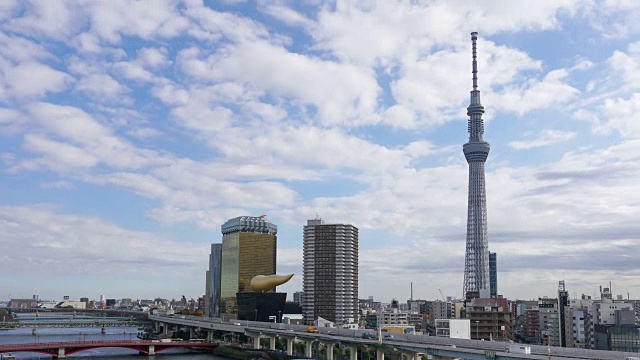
627,65
144,19
58,156
102,86
21,50
369,33
342,94
536,95
33,79
622,115
11,121
614,18
154,57
93,142
545,138
36,232
56,19
287,15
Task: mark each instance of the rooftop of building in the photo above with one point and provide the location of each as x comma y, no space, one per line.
253,224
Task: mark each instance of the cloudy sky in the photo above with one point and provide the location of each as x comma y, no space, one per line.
131,130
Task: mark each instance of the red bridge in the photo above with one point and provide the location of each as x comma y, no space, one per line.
61,349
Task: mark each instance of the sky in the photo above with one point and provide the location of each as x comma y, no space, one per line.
130,131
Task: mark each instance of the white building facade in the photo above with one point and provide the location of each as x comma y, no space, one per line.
453,328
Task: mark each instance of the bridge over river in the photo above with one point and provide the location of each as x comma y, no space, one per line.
34,321
60,350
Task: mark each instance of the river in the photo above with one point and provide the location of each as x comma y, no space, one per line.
24,336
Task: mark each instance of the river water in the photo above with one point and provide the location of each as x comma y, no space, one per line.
24,336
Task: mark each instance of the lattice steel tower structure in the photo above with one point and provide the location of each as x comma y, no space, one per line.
476,150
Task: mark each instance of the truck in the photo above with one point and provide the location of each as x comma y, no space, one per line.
368,336
519,349
311,329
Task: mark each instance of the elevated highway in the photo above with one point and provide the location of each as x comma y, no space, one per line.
404,344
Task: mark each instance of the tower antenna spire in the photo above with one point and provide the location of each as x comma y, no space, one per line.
474,71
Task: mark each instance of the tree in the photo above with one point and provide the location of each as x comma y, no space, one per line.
299,347
366,355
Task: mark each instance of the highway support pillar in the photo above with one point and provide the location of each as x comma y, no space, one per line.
61,354
408,356
330,346
103,331
152,350
190,333
353,353
272,342
380,353
290,343
209,336
255,336
308,347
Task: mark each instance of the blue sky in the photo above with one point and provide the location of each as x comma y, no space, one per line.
131,130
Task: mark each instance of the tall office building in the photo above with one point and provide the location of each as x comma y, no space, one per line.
493,274
248,249
330,272
476,150
212,293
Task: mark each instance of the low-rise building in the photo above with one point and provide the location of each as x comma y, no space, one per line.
453,328
490,319
23,303
71,304
392,318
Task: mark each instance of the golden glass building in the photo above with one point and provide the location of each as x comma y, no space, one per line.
248,249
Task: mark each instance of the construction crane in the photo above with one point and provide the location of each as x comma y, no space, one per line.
442,295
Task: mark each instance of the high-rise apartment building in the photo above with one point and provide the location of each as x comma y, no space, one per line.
248,249
476,150
212,293
563,308
330,272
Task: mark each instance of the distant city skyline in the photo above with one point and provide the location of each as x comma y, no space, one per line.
130,132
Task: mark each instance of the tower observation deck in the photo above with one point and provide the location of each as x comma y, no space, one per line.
476,150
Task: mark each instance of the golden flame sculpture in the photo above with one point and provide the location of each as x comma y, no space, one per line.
268,282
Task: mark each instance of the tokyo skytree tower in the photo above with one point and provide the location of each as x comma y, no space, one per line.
476,262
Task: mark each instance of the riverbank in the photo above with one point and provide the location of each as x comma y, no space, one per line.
238,353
